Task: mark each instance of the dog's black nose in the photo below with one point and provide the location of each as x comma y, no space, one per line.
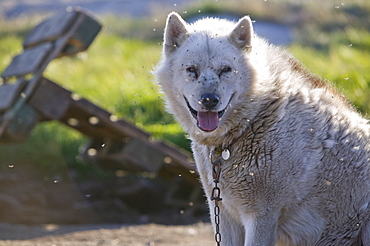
209,100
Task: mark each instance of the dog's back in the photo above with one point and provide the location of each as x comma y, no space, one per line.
322,144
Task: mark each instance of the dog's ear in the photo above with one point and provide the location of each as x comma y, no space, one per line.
241,36
175,33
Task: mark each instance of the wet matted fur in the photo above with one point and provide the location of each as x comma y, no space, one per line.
298,172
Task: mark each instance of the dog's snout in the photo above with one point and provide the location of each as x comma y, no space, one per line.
209,100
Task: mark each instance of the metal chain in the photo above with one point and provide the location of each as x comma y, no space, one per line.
216,197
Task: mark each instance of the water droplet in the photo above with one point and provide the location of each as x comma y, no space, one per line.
55,181
10,165
181,211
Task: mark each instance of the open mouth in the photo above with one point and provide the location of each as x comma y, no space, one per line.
207,120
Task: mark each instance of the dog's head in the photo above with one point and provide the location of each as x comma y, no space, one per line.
204,71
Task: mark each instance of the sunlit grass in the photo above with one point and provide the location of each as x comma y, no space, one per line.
345,62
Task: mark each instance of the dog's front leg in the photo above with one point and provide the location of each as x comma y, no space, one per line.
232,232
260,230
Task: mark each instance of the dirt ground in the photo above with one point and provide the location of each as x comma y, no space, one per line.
56,209
93,235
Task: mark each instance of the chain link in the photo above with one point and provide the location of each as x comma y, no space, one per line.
216,197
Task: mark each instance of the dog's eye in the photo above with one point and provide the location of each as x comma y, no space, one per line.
226,70
192,69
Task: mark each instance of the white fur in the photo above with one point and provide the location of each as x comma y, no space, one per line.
298,172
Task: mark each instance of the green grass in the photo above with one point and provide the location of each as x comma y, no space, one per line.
115,72
344,61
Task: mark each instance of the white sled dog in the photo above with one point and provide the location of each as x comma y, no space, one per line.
296,163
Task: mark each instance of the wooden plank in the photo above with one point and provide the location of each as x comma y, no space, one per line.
132,154
98,123
28,62
180,158
50,100
88,30
56,103
132,128
51,29
56,26
9,93
18,127
144,155
138,153
83,36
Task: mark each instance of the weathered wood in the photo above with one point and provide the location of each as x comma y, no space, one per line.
51,29
56,26
83,36
97,123
9,93
50,100
18,127
54,102
125,146
181,158
28,62
132,154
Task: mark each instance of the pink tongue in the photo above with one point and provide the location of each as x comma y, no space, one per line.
208,121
